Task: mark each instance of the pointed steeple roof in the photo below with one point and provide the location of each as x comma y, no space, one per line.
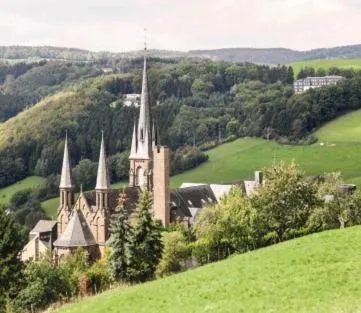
66,178
103,182
144,128
77,233
133,150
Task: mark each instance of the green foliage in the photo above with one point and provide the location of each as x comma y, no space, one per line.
175,252
186,158
12,241
145,247
45,283
85,173
119,242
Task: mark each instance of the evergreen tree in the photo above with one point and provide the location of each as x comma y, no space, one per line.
119,242
12,242
146,246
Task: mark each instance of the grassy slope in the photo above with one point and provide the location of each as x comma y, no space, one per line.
317,273
238,160
326,64
29,182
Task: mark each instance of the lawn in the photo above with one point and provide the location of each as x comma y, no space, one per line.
327,63
29,182
315,274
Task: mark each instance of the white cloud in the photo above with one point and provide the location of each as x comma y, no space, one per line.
180,25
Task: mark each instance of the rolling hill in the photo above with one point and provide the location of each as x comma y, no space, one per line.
238,160
254,55
317,273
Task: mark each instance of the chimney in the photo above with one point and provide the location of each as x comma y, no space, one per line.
258,177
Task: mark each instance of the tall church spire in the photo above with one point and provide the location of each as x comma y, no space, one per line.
144,129
66,179
103,175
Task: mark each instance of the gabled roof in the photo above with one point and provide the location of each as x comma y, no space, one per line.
43,226
76,234
189,199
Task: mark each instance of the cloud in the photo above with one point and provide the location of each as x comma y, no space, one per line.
180,25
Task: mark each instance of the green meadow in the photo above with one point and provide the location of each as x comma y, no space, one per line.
30,182
327,63
318,273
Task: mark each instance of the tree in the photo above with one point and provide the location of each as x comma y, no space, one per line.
12,242
284,202
339,208
175,251
45,284
145,248
119,242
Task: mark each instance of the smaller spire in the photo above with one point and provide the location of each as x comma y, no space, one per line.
133,150
103,175
66,178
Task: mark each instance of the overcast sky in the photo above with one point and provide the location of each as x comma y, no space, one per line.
117,25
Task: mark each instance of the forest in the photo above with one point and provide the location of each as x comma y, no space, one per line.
196,104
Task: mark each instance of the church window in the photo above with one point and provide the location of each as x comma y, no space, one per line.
139,178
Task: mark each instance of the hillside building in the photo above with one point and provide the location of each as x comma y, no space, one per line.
302,85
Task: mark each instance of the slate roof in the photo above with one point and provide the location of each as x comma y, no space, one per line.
103,181
131,197
66,176
189,199
43,226
76,234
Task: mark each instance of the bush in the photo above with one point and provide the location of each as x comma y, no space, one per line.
175,252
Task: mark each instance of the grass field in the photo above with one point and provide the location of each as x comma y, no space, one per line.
29,182
326,64
315,274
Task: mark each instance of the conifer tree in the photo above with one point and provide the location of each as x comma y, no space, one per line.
119,241
146,246
11,243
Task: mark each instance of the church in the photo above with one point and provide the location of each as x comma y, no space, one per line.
85,221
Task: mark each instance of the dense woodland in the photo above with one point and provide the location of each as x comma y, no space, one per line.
195,102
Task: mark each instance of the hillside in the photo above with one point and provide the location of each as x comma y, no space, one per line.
342,138
317,273
27,183
327,64
279,55
255,55
238,160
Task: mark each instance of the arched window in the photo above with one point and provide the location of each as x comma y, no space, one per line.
139,178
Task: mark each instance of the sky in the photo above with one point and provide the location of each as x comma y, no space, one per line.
118,25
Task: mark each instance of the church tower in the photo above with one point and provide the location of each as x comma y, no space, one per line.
141,151
66,189
100,221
